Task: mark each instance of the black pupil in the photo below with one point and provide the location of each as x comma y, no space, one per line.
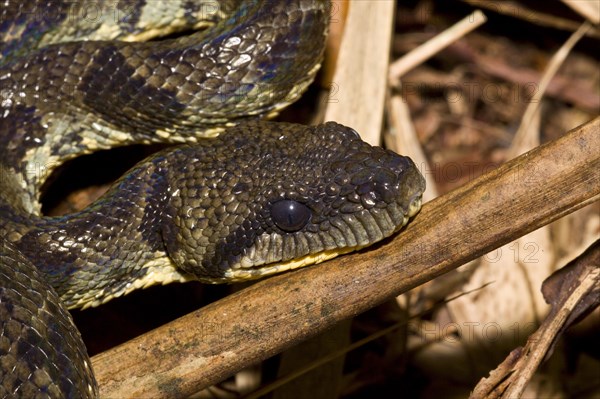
290,215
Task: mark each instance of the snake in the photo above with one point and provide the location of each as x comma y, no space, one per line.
236,197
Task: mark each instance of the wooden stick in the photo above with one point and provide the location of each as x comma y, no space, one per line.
208,345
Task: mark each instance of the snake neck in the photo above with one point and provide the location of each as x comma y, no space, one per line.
70,99
117,237
72,21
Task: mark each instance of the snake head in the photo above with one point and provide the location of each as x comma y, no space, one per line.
264,198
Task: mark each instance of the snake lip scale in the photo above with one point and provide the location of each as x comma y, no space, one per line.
238,198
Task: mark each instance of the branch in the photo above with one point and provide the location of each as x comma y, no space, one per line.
208,345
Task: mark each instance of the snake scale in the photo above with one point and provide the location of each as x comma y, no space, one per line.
257,198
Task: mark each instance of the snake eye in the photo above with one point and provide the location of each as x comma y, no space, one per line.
290,215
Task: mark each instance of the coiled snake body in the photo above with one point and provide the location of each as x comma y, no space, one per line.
258,199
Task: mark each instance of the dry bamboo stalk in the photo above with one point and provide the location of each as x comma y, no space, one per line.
359,83
208,345
337,23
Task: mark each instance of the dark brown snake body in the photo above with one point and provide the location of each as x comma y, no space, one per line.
258,199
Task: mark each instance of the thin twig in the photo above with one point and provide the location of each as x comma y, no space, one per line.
435,45
519,11
557,60
548,334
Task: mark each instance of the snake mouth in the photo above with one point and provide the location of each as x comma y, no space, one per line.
254,265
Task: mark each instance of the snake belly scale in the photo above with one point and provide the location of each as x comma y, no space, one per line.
238,198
